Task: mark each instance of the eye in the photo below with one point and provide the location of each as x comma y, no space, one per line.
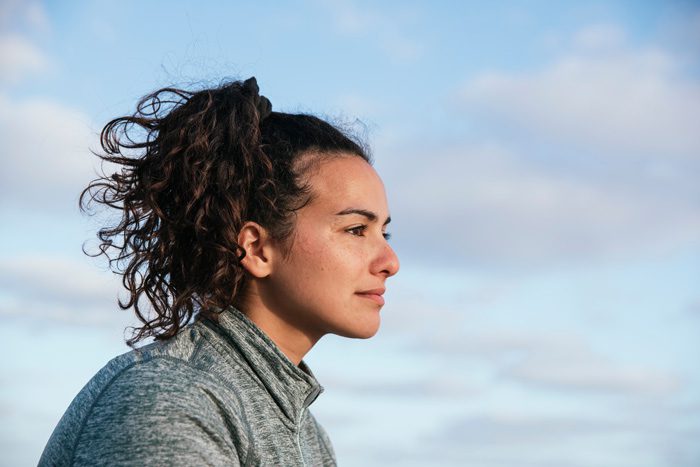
386,235
358,231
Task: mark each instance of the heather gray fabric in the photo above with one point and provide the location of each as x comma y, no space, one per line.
216,394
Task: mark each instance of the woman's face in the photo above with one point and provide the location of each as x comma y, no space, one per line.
336,268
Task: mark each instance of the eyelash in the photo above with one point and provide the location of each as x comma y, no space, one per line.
360,229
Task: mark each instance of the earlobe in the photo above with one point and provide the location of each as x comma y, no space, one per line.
255,241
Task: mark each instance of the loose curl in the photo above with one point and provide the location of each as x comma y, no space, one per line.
193,167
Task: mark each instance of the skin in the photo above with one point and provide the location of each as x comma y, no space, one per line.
331,278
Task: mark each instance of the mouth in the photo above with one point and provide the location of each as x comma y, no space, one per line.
375,295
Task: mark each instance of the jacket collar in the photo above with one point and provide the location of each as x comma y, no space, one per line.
292,387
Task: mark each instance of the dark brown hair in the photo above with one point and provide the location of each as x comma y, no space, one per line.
192,168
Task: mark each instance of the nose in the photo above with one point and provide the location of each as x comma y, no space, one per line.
387,263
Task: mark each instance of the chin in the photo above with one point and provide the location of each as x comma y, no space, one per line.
365,332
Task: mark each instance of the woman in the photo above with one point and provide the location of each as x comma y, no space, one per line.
267,228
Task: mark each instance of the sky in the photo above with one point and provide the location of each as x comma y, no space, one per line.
541,163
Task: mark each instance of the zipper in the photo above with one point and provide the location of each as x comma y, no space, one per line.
301,453
309,399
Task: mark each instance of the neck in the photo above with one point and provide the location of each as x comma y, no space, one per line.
292,341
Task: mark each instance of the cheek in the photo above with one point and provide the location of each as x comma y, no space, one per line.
311,257
308,246
327,257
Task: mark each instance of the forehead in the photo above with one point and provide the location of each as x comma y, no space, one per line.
347,181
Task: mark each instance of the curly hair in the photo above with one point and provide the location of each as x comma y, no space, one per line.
192,168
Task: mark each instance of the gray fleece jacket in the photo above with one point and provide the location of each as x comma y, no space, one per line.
216,394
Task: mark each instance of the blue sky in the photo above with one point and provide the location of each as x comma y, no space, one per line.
541,161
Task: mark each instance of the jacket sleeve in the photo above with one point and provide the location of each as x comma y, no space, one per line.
159,413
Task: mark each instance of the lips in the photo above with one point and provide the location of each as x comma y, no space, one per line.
374,294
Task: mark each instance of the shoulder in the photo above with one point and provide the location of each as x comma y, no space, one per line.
159,382
145,408
161,409
163,387
153,378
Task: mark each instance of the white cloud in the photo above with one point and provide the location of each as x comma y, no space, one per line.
537,440
388,29
351,19
592,156
600,37
19,58
681,32
60,290
493,206
36,17
18,13
45,150
624,101
356,104
56,279
439,386
517,428
553,361
399,47
574,368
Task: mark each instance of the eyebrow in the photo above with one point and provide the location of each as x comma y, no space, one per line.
363,212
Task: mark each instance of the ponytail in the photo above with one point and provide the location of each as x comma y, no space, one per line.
193,168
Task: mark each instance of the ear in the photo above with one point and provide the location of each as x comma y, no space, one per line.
257,243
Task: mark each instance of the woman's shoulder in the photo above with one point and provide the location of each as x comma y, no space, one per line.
140,389
157,393
174,373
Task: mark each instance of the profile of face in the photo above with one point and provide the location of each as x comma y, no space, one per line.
332,275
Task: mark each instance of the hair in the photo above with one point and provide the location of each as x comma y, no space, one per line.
191,168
